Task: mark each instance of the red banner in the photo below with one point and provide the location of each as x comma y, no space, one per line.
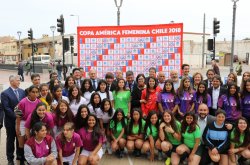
135,48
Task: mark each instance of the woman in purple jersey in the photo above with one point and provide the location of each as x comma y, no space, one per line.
167,99
230,103
68,145
185,95
39,114
245,77
245,100
92,139
201,96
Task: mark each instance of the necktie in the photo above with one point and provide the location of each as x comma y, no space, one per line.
79,84
210,84
94,86
17,94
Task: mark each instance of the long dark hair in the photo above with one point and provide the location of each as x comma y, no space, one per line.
173,121
66,85
71,97
131,123
96,130
235,95
79,121
204,94
115,120
34,116
37,127
106,89
118,88
63,138
172,84
49,96
83,89
51,83
110,111
92,103
237,133
148,88
69,116
244,91
148,122
180,90
54,92
184,124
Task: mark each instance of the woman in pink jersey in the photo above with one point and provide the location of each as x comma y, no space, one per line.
40,149
39,114
27,105
68,145
92,139
62,115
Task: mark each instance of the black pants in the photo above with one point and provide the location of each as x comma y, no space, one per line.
10,143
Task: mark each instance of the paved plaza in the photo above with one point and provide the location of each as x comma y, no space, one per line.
107,159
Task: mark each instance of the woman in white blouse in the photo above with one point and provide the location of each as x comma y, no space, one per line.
75,99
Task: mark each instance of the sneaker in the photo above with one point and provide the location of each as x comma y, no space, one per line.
121,155
159,156
168,161
109,151
104,147
137,153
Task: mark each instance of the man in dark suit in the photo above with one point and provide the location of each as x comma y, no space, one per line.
93,78
215,92
109,77
210,74
9,99
77,76
130,82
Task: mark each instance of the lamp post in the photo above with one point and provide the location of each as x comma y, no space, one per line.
118,6
53,28
78,20
233,35
19,35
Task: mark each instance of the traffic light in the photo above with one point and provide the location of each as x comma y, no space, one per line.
35,49
30,34
66,44
60,24
71,40
216,25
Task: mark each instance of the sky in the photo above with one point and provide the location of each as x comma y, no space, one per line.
16,15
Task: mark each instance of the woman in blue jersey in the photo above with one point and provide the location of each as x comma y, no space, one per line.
216,139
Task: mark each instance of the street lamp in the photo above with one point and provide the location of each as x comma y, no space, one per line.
233,35
118,6
53,28
19,35
78,21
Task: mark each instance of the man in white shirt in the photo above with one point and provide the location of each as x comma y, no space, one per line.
215,92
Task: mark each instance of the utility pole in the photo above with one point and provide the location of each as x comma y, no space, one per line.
203,41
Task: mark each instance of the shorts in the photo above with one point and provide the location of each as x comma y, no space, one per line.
22,127
87,153
174,148
69,159
200,150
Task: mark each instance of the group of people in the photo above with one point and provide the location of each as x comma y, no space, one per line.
183,118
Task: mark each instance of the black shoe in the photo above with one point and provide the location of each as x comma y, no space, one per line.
137,153
117,153
11,162
121,155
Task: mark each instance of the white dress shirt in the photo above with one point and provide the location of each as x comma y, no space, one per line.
216,93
